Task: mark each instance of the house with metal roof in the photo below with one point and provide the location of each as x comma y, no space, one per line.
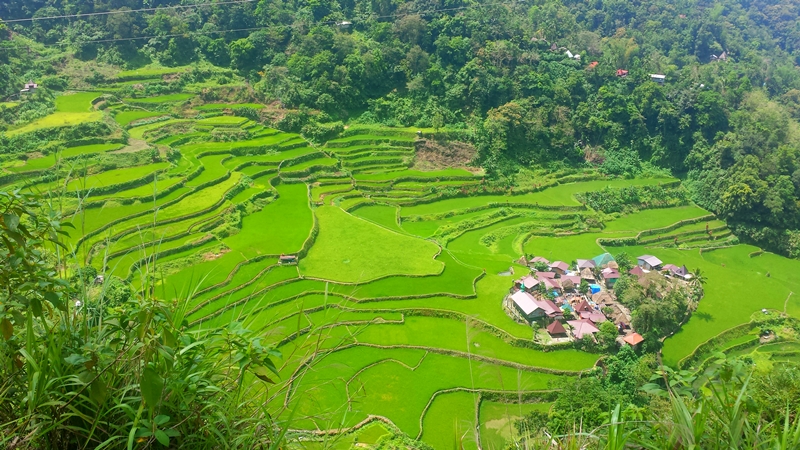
555,329
649,262
582,327
559,267
633,339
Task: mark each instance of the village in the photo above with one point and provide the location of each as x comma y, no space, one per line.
568,302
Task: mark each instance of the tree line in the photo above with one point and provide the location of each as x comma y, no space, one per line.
724,120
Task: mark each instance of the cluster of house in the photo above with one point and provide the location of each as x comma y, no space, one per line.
657,77
561,295
562,282
649,263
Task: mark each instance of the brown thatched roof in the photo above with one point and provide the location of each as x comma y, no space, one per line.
602,297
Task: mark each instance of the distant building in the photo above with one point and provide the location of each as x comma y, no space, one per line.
585,264
610,276
674,270
559,267
592,65
532,308
660,79
555,329
528,283
594,316
649,262
29,87
637,271
583,307
582,327
287,259
539,259
622,73
633,339
603,260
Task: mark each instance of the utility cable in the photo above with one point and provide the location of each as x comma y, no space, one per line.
270,27
126,11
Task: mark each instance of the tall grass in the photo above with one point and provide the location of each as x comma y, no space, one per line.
78,370
714,414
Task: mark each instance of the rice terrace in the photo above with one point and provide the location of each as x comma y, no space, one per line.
399,225
381,285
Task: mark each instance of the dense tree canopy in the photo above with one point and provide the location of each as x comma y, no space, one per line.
725,119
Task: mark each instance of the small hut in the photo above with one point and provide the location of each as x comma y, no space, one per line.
633,339
556,330
287,259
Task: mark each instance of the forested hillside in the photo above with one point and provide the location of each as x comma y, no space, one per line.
725,119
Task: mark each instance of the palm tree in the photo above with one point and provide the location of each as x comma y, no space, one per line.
698,278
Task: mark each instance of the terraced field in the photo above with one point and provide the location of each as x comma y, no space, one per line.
394,309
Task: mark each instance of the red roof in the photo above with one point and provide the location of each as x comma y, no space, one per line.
549,308
581,327
543,275
528,281
638,271
595,316
539,259
556,328
593,64
610,275
551,283
621,72
633,339
560,265
584,306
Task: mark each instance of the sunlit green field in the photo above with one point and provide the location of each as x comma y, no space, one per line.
394,307
71,109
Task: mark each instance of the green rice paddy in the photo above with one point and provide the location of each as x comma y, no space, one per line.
338,253
394,308
71,109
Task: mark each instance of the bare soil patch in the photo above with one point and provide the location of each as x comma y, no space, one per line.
210,256
433,155
134,145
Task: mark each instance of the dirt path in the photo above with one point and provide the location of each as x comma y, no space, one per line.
134,145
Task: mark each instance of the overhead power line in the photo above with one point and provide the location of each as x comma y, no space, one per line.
272,27
127,11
